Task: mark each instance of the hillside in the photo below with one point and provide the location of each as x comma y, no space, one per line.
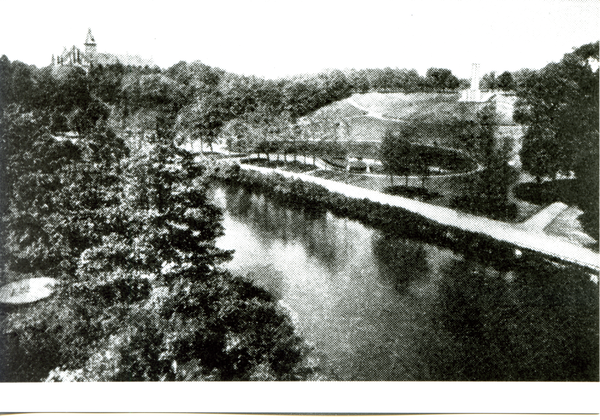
429,107
366,117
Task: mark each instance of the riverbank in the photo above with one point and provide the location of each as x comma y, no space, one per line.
501,242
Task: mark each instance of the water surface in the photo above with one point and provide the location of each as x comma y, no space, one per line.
380,307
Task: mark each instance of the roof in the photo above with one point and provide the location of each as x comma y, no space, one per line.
125,59
89,39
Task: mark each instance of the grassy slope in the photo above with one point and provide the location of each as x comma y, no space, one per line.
430,107
432,111
338,110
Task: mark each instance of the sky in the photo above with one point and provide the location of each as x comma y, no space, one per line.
281,38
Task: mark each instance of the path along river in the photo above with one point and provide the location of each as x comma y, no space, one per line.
379,307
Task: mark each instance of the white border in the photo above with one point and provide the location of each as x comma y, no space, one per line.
305,397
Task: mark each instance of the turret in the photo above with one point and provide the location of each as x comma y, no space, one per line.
90,46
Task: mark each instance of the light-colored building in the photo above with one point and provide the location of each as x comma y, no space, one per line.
89,56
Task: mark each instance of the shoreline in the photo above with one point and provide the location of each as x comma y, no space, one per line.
444,224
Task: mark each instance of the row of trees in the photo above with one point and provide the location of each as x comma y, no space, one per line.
402,80
505,81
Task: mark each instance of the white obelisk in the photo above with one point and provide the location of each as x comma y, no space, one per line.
474,94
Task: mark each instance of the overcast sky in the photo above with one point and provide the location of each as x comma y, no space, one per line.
278,38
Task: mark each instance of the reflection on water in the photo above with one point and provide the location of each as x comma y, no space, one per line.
533,323
399,261
381,307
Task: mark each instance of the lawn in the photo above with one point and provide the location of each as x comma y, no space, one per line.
337,110
431,112
422,106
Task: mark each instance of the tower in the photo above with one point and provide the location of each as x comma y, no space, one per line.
90,46
475,77
474,94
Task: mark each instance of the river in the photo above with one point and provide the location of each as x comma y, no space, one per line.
380,307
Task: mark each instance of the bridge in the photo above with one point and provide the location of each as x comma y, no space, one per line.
527,235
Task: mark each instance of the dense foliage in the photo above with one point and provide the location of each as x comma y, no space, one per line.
559,107
507,326
130,237
486,192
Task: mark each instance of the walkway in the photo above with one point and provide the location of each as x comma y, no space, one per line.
521,235
542,219
370,112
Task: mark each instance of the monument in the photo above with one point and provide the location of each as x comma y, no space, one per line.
473,94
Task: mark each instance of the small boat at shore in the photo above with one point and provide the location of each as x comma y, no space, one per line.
26,291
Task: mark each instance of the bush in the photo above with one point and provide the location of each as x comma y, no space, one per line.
412,192
357,166
494,207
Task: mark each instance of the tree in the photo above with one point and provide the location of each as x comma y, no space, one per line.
451,82
441,79
477,137
395,153
489,81
506,82
59,123
5,86
105,81
22,84
86,119
559,107
485,192
358,81
36,169
210,118
267,147
75,91
237,135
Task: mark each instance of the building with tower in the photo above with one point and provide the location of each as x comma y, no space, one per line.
75,57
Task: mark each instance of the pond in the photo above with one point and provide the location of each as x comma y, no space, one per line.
380,307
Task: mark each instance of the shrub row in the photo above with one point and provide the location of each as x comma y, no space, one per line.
390,219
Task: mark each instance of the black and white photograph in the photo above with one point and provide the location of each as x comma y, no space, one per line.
393,192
